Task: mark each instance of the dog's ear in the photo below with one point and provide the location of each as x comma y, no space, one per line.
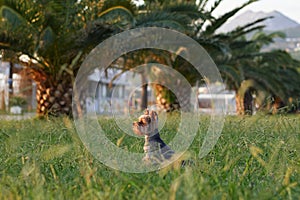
153,115
148,119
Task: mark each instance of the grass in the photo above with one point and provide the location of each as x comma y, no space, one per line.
255,158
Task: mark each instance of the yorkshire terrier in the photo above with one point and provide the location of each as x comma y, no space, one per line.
156,150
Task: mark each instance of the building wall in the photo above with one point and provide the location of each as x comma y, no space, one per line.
23,86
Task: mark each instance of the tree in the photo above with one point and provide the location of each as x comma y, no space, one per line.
251,70
241,61
190,19
53,38
174,15
198,16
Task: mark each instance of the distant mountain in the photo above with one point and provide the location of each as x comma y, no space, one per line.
277,23
292,32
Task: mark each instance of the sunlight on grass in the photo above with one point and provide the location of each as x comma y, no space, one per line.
255,158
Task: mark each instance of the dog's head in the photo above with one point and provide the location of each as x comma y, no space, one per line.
147,123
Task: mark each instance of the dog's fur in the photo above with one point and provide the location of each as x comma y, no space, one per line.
156,151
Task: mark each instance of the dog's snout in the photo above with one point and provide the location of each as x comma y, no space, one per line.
136,123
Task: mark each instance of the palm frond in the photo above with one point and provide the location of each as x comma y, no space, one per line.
216,24
266,39
47,39
266,80
187,9
127,4
27,8
230,72
214,46
16,34
248,28
215,5
117,15
240,45
163,19
202,4
250,25
85,39
13,18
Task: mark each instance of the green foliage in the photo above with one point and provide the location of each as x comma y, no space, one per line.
163,19
255,158
53,33
17,101
275,71
128,4
57,35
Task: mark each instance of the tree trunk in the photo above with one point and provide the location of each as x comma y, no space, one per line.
169,101
165,99
277,104
184,97
239,104
144,94
54,99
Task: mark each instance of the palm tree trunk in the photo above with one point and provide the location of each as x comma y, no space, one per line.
54,99
144,95
167,100
277,104
239,104
184,96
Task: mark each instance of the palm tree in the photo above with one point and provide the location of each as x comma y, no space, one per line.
250,70
54,37
243,65
174,15
190,19
197,16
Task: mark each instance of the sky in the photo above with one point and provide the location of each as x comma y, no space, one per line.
290,8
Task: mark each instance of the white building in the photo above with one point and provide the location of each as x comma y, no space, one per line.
4,93
210,101
120,96
18,89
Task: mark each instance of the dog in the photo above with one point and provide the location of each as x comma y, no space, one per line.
155,149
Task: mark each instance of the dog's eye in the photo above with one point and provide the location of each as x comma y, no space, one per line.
140,123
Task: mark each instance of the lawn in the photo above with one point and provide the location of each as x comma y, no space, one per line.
255,158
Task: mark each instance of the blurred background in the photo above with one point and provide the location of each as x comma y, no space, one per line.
255,45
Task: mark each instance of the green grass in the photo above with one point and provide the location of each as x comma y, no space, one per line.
255,158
